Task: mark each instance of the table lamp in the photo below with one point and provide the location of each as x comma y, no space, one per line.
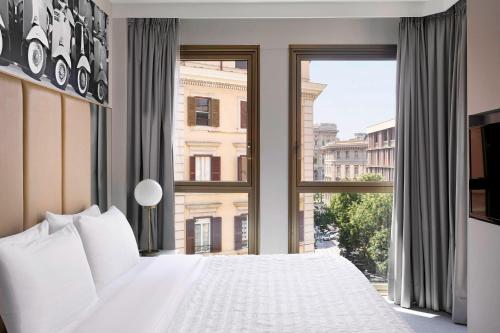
148,194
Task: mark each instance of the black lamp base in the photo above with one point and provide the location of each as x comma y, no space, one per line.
149,253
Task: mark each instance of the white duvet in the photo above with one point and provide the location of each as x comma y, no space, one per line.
267,293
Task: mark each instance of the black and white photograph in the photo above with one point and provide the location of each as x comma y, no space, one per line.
60,42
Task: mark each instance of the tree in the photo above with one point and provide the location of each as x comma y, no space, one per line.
370,225
364,221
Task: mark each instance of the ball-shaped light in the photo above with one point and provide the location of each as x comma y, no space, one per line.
148,193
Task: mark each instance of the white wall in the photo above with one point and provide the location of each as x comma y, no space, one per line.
483,71
274,37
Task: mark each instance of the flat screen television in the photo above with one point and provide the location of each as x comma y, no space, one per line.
484,156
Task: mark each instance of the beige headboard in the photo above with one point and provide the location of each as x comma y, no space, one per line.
11,156
44,154
76,176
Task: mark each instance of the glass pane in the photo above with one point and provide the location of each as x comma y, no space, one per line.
217,223
211,119
356,226
347,120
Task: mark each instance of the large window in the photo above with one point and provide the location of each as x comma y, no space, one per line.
202,234
216,150
342,97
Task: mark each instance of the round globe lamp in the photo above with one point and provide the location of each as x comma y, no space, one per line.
148,194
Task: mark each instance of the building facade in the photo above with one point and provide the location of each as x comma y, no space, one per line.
324,134
381,149
309,93
345,159
210,145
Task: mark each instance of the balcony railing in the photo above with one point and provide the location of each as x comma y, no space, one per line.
202,249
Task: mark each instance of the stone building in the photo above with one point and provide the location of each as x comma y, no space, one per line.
324,133
210,145
381,149
345,159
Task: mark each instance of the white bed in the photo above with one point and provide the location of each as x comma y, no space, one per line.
267,293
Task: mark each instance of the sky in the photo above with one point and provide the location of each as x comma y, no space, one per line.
359,94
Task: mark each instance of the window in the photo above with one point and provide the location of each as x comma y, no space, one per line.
241,232
368,235
215,162
203,111
351,89
243,114
204,168
202,235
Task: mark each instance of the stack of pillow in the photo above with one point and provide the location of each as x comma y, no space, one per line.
52,273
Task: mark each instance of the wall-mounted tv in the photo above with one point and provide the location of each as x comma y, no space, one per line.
484,180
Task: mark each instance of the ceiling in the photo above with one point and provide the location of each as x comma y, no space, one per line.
277,8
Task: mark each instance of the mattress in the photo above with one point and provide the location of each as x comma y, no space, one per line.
266,293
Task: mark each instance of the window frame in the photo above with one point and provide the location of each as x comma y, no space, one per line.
196,156
297,54
249,53
209,223
208,112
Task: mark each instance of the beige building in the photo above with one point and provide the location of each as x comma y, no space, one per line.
210,145
381,146
211,139
310,92
345,159
324,133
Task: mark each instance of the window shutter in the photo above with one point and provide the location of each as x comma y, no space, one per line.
192,168
238,236
215,168
216,234
190,236
214,108
191,111
243,114
301,226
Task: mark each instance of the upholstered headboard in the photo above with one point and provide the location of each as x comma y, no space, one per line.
44,155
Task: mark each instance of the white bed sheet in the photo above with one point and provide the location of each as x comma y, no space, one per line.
144,299
267,293
284,293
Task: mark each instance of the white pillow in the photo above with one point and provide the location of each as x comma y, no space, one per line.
109,243
35,232
57,222
46,284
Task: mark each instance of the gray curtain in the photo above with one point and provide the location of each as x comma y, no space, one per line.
99,156
428,241
153,46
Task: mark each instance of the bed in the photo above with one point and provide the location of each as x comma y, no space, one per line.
267,293
46,167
